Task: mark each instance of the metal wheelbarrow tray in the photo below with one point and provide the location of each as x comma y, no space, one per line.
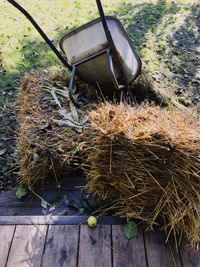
87,49
98,52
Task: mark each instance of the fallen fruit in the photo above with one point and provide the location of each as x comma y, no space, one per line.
92,221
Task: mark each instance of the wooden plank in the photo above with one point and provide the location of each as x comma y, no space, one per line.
27,246
22,211
8,199
37,211
95,246
190,257
160,254
6,235
128,252
43,220
61,246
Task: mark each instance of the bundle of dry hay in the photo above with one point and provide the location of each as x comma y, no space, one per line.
146,162
50,132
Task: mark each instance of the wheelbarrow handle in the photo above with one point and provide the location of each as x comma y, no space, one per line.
112,51
41,32
105,26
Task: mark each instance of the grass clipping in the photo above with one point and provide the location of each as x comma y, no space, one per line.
50,131
146,162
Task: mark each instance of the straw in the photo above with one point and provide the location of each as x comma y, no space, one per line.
146,161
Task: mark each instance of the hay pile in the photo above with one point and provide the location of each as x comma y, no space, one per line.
146,162
50,131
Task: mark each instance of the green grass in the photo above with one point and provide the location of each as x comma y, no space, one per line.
164,33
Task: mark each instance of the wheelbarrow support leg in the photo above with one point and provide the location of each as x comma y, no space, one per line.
71,85
113,53
112,71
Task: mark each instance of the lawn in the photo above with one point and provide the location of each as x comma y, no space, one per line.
164,33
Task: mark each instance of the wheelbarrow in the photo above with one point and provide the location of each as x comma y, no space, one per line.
99,52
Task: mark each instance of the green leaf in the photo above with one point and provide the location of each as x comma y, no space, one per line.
81,211
36,158
86,205
62,213
130,230
74,204
74,149
21,192
65,200
3,151
56,201
44,204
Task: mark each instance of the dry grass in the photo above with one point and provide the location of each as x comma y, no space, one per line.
48,139
146,162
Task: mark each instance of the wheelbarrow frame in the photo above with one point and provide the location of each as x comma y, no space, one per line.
111,69
110,51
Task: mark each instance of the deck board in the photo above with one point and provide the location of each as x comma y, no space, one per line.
95,246
8,199
6,235
127,252
160,254
65,220
190,257
32,235
80,246
27,246
61,247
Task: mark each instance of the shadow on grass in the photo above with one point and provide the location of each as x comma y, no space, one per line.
139,20
176,57
184,59
143,18
178,54
33,56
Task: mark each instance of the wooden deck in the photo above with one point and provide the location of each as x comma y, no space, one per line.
30,238
77,245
